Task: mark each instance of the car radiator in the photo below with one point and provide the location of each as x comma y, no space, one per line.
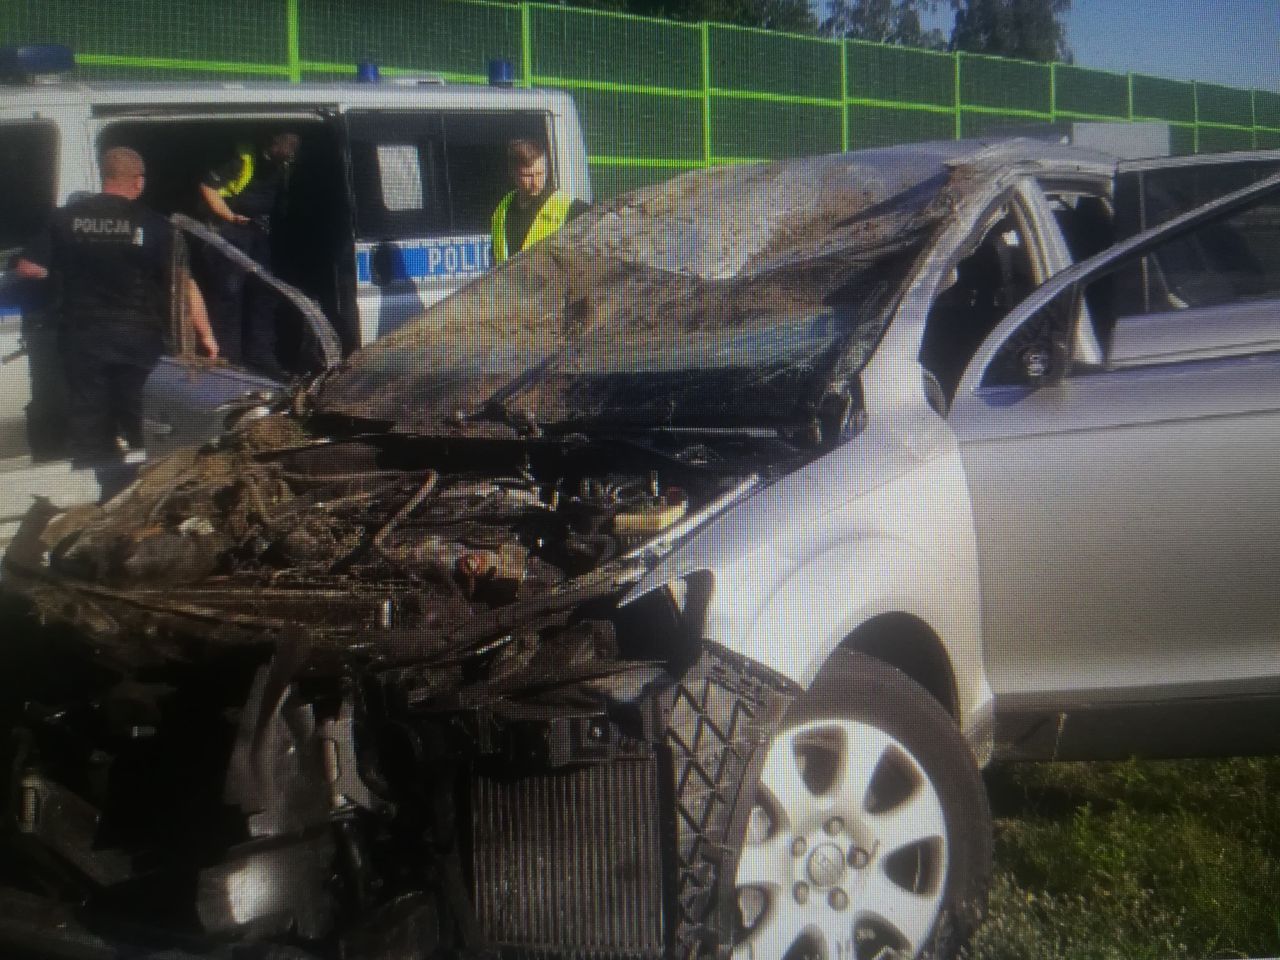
569,864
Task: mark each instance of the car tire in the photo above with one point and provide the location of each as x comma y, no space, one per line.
728,717
869,826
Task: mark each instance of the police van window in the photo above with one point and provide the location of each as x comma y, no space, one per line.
401,176
28,162
397,175
476,159
455,162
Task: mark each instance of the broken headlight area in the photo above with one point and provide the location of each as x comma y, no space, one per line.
363,697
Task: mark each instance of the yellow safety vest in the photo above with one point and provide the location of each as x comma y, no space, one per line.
554,212
234,188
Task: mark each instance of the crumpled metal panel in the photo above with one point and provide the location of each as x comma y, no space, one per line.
719,296
723,292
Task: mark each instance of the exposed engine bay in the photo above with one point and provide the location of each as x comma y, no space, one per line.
368,696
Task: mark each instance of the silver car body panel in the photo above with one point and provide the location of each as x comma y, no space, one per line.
1154,482
1196,333
894,533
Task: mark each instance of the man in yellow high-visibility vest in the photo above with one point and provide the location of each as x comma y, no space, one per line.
244,196
533,210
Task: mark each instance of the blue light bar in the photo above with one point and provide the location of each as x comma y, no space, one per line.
502,73
367,72
35,61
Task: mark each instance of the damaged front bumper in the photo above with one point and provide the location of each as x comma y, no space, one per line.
333,703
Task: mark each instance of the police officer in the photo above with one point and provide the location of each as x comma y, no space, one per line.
532,211
243,197
112,262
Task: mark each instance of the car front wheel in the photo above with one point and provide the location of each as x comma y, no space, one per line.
869,834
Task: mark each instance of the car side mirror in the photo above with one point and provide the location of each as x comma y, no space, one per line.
1037,363
1050,360
1041,352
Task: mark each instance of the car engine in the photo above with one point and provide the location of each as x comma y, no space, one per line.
365,696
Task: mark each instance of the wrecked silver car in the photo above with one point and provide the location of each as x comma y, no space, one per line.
635,602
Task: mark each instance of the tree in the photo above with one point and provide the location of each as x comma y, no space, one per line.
791,15
1027,29
883,21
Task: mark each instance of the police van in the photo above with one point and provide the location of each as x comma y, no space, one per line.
387,208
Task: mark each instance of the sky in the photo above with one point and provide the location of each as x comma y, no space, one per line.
1235,42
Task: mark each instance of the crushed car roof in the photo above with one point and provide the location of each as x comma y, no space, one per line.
730,292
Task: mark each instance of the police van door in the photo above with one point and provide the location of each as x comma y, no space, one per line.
30,408
425,186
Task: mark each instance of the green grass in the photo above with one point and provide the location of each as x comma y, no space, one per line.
1135,860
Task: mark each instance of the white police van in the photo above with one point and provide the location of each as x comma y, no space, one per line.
388,205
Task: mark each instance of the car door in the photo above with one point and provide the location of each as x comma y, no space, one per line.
1126,511
187,397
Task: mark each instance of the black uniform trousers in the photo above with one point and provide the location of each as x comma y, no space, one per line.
241,310
107,364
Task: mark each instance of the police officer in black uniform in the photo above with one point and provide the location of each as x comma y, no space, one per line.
112,261
244,196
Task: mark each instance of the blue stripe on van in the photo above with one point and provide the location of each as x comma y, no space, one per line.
445,259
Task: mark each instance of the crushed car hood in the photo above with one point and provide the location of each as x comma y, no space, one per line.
725,296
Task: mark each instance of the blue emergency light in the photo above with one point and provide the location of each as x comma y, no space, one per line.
367,72
502,73
35,62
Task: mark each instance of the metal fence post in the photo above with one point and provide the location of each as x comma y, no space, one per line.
706,94
844,95
293,51
526,45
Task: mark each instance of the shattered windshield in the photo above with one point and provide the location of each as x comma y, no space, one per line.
723,297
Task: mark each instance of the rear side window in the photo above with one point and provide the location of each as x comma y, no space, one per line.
1222,262
1165,193
1231,260
28,182
397,173
433,175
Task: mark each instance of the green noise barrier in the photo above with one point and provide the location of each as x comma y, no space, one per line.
655,97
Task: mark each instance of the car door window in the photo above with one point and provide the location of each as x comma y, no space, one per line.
1222,262
975,296
1206,292
476,161
1152,194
